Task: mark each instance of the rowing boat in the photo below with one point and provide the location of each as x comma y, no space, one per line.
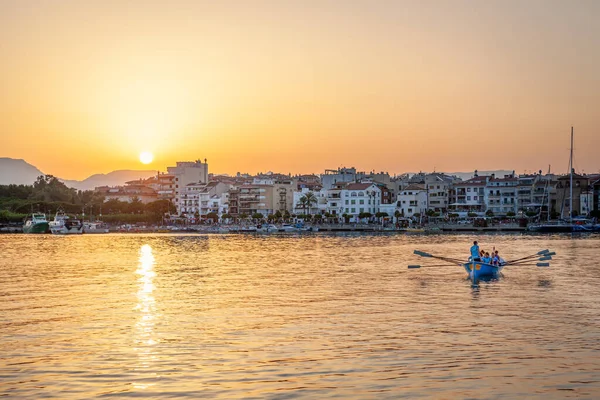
480,269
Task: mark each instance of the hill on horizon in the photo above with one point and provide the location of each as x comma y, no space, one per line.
20,172
17,171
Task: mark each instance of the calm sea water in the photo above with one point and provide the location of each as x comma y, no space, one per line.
294,316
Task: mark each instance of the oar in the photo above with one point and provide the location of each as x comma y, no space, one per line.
543,253
424,254
427,266
546,258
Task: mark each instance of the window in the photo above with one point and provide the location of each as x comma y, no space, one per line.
360,194
353,201
362,201
362,209
353,194
410,210
346,202
474,197
468,189
468,197
353,210
345,194
346,210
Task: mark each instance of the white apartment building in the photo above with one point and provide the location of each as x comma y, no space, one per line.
469,196
319,207
412,200
356,198
199,198
501,195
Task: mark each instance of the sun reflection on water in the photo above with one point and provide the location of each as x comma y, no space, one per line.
144,336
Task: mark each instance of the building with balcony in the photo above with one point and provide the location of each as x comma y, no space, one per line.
468,196
501,195
197,199
357,198
186,172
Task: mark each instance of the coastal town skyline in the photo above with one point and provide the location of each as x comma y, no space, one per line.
297,87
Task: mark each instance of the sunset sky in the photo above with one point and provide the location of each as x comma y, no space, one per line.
300,86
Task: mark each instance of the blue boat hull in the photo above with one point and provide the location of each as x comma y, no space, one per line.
483,270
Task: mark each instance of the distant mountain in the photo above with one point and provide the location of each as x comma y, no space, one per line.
21,172
17,171
114,178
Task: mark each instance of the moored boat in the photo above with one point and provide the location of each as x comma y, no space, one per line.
37,223
64,225
95,227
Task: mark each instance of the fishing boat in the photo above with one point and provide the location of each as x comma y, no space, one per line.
478,269
64,225
37,223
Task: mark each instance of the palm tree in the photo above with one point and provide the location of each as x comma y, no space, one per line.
303,202
310,198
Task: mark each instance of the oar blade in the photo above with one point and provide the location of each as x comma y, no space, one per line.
422,253
414,266
543,264
546,258
551,254
543,252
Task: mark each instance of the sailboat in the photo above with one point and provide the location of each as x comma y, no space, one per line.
564,226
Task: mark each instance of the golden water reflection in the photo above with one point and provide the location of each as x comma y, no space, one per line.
144,337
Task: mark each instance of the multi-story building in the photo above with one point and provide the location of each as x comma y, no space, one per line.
413,200
332,177
563,202
468,196
501,195
165,186
186,172
198,199
525,191
334,205
258,198
357,198
438,187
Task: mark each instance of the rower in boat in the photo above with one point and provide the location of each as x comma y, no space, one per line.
475,256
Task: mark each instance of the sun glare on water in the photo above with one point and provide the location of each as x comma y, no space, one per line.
146,157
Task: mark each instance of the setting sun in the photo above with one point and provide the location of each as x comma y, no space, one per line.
146,157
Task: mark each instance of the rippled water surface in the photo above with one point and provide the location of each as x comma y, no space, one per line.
294,316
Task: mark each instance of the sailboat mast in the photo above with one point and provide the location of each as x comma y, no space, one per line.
571,181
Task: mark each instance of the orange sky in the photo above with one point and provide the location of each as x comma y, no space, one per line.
300,86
